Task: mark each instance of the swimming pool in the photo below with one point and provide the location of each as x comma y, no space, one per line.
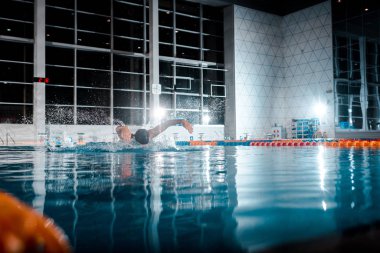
109,198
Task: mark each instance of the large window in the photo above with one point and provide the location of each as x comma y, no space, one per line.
97,61
356,29
16,61
91,60
191,65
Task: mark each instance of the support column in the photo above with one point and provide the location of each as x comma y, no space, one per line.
154,80
230,123
364,85
39,67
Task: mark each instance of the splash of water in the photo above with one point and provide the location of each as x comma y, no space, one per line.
120,147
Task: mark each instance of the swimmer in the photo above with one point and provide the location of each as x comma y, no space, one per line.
143,136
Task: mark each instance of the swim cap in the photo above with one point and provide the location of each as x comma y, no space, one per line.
142,136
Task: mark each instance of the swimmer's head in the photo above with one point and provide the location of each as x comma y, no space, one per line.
142,136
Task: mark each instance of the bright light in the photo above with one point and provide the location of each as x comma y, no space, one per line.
159,113
206,119
324,206
320,110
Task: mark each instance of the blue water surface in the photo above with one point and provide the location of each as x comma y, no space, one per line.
113,198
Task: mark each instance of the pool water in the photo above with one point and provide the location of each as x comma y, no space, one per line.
209,199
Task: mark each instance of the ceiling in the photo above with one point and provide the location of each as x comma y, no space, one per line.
279,7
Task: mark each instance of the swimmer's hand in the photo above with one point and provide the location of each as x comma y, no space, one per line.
186,124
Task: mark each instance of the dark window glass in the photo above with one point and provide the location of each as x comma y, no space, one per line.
93,116
94,60
128,99
59,95
59,35
166,101
59,17
59,56
213,75
213,56
166,18
129,45
93,78
16,114
192,117
129,29
165,4
129,116
16,93
213,43
60,115
128,81
94,23
128,64
166,35
186,84
17,10
17,29
16,72
188,39
218,90
141,2
187,23
188,8
213,28
188,102
166,50
167,83
193,73
59,75
188,53
147,67
94,40
166,68
216,107
127,11
99,7
61,3
213,13
93,97
14,51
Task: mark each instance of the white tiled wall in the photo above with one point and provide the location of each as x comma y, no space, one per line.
258,61
283,66
308,69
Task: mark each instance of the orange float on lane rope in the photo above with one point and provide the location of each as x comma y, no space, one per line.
24,230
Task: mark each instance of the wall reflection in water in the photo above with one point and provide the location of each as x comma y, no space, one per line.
357,187
144,202
222,199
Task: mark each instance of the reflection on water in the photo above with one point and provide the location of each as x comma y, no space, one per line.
221,199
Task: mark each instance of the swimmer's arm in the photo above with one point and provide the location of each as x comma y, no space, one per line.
124,133
163,126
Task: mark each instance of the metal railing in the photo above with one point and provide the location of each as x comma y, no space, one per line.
8,139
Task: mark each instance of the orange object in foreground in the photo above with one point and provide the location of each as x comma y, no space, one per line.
23,229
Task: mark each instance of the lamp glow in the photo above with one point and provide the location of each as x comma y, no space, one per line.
206,119
320,110
159,113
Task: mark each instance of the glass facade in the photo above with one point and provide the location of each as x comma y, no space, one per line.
16,61
356,31
97,61
191,62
